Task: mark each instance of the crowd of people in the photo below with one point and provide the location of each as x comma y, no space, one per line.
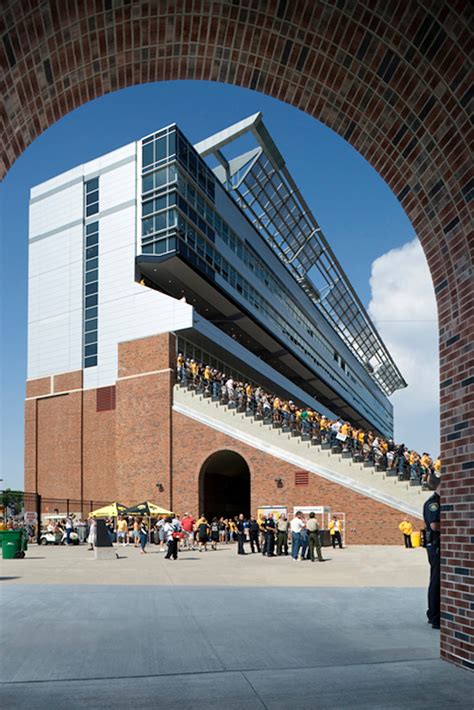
269,535
363,445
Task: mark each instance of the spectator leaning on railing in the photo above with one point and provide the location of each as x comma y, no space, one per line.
365,445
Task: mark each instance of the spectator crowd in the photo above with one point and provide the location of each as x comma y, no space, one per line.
362,445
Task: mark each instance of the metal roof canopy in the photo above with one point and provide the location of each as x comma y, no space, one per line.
264,189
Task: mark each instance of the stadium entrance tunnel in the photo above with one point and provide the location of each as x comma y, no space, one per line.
224,485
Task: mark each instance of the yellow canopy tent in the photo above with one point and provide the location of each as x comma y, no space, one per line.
108,511
147,509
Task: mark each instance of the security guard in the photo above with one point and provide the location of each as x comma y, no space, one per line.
270,528
254,534
431,515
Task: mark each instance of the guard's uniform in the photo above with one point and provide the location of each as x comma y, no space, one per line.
254,533
431,514
240,537
270,527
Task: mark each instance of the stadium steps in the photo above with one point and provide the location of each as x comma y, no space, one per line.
343,471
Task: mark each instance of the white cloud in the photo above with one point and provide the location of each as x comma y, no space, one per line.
403,308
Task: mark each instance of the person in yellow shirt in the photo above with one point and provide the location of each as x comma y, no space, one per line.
335,530
406,528
122,531
437,466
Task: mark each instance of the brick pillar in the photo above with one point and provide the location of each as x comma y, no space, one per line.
457,491
143,419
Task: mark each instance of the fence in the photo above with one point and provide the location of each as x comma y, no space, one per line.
30,508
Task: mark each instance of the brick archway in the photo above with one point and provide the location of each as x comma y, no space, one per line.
392,78
224,476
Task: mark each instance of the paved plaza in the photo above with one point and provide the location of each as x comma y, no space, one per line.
214,629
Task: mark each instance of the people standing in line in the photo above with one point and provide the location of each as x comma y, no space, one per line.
254,534
143,530
431,515
171,532
240,525
214,533
313,537
270,529
406,528
92,538
335,530
282,535
203,533
296,526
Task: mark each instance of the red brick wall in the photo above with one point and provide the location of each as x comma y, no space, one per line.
99,465
367,521
59,449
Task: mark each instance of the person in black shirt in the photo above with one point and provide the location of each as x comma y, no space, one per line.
431,515
254,534
270,527
239,524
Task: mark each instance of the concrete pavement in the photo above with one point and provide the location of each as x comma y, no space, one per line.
218,642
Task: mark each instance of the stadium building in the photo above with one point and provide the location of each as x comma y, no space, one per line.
162,247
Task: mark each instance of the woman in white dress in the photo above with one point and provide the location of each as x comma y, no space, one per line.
92,539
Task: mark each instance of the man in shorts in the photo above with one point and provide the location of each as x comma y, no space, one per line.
122,531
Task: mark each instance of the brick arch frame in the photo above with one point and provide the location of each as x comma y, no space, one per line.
392,77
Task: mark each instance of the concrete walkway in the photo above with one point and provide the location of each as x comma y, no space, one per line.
218,643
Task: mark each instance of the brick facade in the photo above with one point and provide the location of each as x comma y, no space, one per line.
392,78
122,453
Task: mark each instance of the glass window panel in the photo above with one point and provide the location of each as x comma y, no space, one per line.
172,173
92,227
172,143
172,198
147,249
90,325
147,226
160,246
92,264
147,183
92,240
92,301
91,252
148,207
147,154
91,312
171,243
160,177
160,221
92,197
92,184
92,276
91,288
90,349
90,361
90,337
192,163
160,149
92,209
172,218
160,203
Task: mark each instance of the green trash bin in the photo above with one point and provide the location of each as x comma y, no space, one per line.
14,543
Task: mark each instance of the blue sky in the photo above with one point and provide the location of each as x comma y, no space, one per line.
359,214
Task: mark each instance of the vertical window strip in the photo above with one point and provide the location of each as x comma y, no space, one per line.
90,276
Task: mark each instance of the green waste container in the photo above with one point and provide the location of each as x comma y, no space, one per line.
14,543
